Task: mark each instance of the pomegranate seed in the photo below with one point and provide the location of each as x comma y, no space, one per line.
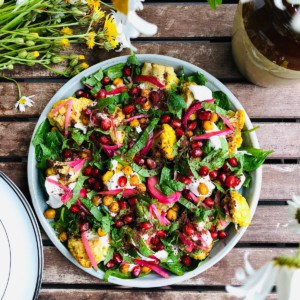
117,258
179,132
87,112
188,230
213,175
98,186
101,94
176,124
110,264
105,124
74,209
141,100
136,271
95,172
204,115
130,143
145,226
186,260
128,219
154,260
82,214
222,234
154,240
86,95
134,92
132,201
160,247
138,160
230,181
83,193
165,119
105,80
79,93
209,202
67,153
161,234
103,140
233,162
119,224
151,163
214,235
225,168
122,204
204,170
91,181
192,125
186,180
237,181
154,97
84,226
122,181
87,171
187,195
222,177
196,153
128,109
127,71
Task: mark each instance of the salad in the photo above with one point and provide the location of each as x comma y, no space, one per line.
143,170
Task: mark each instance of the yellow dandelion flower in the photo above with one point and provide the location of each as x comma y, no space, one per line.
67,31
96,13
90,39
64,43
35,54
81,56
111,32
84,65
121,6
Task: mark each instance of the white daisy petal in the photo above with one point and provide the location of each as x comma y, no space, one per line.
248,267
240,274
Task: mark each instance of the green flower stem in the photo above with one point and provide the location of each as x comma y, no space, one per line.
53,70
15,82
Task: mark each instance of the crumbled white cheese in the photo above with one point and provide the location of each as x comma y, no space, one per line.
242,178
193,186
80,126
201,92
161,255
216,140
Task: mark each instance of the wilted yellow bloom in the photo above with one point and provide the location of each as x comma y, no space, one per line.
81,56
84,65
35,54
91,39
111,32
97,14
64,43
67,31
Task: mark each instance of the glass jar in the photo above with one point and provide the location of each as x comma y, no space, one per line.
265,47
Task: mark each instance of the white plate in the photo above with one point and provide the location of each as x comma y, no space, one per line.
21,259
152,280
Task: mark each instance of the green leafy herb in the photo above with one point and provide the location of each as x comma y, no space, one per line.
143,248
107,101
115,71
109,255
175,103
76,190
78,137
187,204
165,174
215,108
143,172
254,158
197,78
92,208
221,100
41,132
214,3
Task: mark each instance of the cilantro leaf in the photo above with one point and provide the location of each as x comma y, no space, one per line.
175,103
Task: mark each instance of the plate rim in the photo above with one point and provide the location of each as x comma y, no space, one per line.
36,231
31,166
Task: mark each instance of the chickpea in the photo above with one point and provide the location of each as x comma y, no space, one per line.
118,82
145,93
50,213
134,123
208,125
171,215
203,189
96,200
124,268
63,237
127,170
50,171
189,133
83,154
134,180
100,232
175,207
147,105
143,121
114,207
214,117
108,200
193,117
145,270
141,188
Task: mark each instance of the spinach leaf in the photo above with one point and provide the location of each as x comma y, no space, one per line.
215,108
109,255
175,103
76,190
107,101
78,137
135,64
165,174
143,172
254,158
41,132
221,100
197,78
115,71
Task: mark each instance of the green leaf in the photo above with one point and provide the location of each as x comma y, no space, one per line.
214,3
76,190
41,132
187,204
133,60
78,137
143,248
175,103
102,103
115,71
221,100
202,213
165,174
92,208
254,158
105,224
170,186
140,144
143,172
116,273
197,78
109,255
215,108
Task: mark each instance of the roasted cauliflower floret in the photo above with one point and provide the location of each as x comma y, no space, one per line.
168,140
57,118
98,248
165,75
65,172
238,209
187,94
235,140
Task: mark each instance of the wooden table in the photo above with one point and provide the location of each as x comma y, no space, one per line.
193,32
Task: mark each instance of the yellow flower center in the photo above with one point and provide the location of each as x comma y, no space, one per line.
22,101
121,5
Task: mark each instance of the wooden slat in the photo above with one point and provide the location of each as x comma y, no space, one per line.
215,58
281,137
279,181
219,275
117,294
256,100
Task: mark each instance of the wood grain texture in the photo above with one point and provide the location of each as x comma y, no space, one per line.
280,137
279,181
220,274
258,102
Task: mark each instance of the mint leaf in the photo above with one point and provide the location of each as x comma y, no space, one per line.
254,158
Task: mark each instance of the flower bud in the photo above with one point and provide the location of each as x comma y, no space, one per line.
73,62
30,43
76,12
18,41
23,54
57,59
9,66
32,36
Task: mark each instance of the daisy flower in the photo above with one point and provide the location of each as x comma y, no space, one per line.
129,24
23,102
284,272
294,212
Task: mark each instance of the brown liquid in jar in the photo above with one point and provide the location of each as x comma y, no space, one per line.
269,30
